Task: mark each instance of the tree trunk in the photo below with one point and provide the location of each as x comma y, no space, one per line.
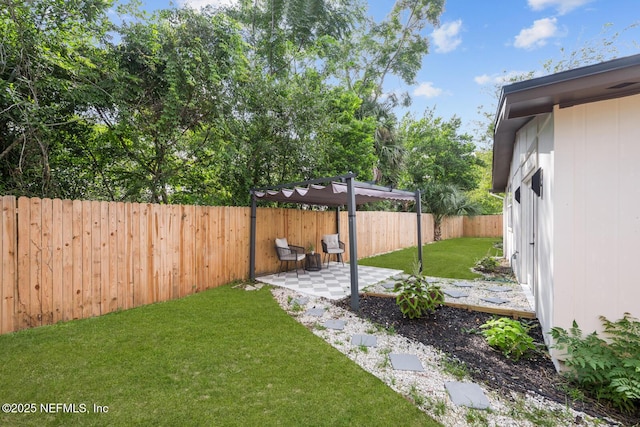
437,231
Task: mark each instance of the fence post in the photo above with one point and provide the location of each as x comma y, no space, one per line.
252,239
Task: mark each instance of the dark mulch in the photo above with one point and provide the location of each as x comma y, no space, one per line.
455,332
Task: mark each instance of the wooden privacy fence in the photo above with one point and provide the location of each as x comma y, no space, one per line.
71,259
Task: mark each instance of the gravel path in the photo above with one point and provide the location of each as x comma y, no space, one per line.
478,289
426,388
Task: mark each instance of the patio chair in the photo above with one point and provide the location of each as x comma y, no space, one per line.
288,253
331,245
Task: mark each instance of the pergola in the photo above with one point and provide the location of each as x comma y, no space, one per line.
337,191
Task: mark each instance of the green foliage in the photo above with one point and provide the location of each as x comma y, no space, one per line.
198,107
49,79
417,296
444,200
509,336
489,203
438,153
608,368
487,263
455,367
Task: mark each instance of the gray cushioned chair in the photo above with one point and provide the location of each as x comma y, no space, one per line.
289,253
331,245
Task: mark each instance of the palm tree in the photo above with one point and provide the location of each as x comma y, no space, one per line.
444,200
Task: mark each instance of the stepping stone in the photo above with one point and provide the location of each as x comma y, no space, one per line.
495,300
467,394
365,340
300,301
389,285
499,289
315,312
406,362
455,294
335,324
463,284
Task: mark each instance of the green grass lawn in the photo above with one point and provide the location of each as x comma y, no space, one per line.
451,258
224,357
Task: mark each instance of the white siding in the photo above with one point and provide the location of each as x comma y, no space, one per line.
597,212
533,264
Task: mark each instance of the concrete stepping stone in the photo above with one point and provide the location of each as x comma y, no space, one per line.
406,362
315,312
467,394
463,284
455,294
364,339
499,289
495,300
335,324
300,301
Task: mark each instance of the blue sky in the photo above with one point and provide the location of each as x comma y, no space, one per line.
478,43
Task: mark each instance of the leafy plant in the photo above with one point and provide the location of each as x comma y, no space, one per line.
417,296
609,368
487,263
509,336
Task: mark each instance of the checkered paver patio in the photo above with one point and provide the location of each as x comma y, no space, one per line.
331,283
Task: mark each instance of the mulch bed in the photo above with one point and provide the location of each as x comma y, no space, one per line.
455,332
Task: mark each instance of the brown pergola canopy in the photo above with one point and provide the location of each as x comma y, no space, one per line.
336,191
333,194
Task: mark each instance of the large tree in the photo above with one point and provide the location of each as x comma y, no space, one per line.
172,92
49,79
438,152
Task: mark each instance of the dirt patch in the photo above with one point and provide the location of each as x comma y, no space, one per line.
455,332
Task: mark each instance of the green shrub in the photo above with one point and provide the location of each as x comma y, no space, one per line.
609,369
509,336
487,263
417,296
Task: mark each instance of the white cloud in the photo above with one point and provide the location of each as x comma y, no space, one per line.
504,78
427,90
562,6
198,4
483,79
537,34
447,36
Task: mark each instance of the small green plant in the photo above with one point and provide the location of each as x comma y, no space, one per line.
296,307
437,406
539,416
417,296
455,367
487,263
415,395
509,336
475,417
386,362
608,368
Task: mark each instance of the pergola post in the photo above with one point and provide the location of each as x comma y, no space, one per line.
252,239
353,245
419,213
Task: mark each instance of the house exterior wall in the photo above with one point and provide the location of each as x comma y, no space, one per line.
531,220
597,213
